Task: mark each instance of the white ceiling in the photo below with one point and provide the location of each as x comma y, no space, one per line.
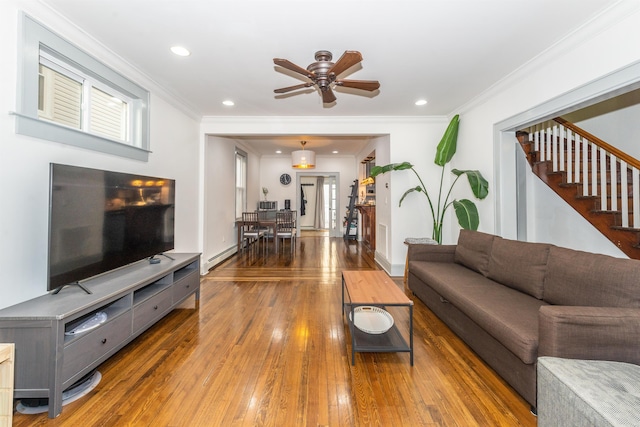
445,51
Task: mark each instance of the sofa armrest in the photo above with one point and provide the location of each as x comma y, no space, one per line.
602,333
433,253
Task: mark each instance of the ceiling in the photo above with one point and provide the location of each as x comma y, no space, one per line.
444,51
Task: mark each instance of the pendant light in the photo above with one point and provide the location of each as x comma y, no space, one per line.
303,159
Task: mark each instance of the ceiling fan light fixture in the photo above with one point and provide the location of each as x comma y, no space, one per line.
303,159
324,74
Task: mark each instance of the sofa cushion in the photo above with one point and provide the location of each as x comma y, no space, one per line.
444,277
519,265
593,280
508,315
473,250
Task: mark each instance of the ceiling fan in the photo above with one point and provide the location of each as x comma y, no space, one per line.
323,73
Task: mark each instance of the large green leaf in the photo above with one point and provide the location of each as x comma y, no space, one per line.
478,184
467,214
447,146
378,170
411,190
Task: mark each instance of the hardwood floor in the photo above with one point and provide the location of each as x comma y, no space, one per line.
268,345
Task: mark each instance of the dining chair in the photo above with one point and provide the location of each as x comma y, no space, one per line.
286,227
267,221
251,230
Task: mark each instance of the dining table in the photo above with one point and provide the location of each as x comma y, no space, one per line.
266,221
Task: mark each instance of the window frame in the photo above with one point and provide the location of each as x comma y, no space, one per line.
36,37
240,205
87,85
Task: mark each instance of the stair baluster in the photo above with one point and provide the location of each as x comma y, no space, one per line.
605,180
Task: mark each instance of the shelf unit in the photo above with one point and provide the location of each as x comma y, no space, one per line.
351,219
134,298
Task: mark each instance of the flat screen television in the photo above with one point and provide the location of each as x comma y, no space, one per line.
101,220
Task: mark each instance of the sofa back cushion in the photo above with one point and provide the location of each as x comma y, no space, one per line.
473,250
592,280
519,265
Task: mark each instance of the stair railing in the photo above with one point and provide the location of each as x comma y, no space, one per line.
584,157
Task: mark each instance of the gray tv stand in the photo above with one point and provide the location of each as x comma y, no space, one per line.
134,297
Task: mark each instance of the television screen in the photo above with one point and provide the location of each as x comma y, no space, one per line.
101,220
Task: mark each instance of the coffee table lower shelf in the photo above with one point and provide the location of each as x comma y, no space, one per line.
374,288
391,341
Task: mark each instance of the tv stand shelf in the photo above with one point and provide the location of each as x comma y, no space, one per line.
134,298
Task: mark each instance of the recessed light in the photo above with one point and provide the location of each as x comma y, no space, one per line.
421,102
278,151
335,151
180,51
228,103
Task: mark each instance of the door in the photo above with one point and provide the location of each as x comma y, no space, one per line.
330,193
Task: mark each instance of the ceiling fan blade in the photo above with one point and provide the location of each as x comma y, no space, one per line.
284,63
327,95
369,85
348,59
290,88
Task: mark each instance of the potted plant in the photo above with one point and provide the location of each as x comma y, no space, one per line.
465,209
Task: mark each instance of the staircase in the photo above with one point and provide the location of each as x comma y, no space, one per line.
599,181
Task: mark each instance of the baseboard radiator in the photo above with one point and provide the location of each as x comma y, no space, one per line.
217,259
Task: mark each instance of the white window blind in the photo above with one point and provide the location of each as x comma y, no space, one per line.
109,115
59,98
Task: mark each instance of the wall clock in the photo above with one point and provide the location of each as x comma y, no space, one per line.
285,179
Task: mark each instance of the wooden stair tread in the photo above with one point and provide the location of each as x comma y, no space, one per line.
608,222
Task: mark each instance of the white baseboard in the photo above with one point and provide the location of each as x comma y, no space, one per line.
393,270
217,259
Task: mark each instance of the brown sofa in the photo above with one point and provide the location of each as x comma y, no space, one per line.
513,301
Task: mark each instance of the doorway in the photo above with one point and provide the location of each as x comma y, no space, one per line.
317,201
512,177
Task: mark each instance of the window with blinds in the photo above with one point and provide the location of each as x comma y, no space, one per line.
67,96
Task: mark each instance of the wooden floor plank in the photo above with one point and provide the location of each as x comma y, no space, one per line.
268,345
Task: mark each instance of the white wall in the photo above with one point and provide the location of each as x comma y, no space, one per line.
615,121
382,147
552,218
271,167
533,92
24,172
219,229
